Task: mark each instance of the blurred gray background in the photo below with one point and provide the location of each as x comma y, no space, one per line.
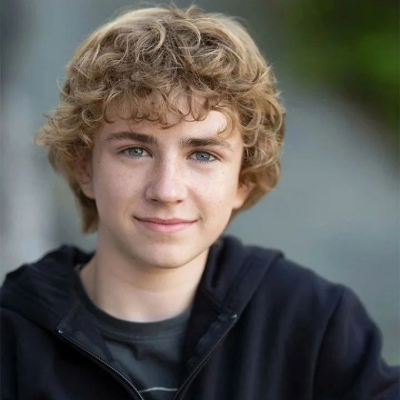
336,209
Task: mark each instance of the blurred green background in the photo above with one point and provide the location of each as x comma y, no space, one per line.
351,47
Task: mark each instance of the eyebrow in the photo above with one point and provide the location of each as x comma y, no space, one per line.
152,140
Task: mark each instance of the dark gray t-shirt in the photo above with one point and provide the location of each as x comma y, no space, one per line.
148,353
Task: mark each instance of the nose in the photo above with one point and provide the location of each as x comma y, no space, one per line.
166,184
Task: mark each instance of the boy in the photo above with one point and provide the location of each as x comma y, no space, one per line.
169,124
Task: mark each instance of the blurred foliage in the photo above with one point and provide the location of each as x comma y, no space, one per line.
352,47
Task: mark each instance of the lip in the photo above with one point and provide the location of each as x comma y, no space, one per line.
165,225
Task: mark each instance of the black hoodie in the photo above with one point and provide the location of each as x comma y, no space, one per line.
262,327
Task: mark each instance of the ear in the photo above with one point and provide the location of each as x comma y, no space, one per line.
243,192
84,176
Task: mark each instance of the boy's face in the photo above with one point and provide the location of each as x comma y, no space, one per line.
164,195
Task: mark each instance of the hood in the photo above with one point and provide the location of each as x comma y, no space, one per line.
43,291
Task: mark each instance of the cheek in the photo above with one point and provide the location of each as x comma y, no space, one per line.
219,193
113,188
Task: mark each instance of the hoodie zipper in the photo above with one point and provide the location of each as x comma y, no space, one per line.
193,374
185,383
73,342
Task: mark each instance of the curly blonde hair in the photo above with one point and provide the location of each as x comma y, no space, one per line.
147,60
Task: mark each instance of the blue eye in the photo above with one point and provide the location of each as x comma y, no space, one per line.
203,156
136,152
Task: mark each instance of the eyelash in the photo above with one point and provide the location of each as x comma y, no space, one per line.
215,158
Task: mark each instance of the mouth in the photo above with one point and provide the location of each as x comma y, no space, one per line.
165,225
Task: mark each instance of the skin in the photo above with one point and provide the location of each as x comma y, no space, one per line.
140,272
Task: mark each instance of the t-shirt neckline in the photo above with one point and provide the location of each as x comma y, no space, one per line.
129,329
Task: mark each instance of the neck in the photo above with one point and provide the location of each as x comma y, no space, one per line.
133,291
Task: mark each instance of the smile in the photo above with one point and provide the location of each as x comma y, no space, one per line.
165,225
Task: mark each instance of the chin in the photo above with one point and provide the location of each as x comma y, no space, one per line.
163,255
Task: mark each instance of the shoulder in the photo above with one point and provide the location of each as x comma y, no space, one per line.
41,291
289,285
289,274
269,279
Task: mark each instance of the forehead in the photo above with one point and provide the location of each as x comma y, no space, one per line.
215,124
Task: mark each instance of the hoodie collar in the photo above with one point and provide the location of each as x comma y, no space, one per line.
44,291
